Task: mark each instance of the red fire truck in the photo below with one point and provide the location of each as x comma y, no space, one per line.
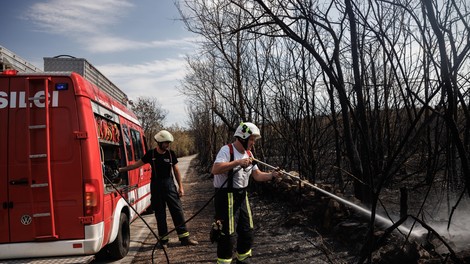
62,139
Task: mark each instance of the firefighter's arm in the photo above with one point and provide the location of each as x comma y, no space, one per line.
178,180
259,175
224,167
134,166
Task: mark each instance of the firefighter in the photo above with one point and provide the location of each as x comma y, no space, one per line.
232,169
163,189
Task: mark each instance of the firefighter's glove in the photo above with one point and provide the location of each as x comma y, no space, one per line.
277,175
216,231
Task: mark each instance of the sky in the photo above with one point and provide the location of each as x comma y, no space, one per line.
140,45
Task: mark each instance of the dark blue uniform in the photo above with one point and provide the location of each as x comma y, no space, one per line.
164,193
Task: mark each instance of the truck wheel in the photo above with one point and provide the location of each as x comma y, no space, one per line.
120,246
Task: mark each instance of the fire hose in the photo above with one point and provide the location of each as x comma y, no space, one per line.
378,218
344,201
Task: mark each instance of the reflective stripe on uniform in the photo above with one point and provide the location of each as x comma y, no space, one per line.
248,209
231,220
242,257
222,261
183,235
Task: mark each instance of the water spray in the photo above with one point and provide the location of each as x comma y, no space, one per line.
363,210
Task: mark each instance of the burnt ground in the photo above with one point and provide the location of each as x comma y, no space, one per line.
289,228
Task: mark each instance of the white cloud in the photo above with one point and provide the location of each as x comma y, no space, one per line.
184,42
157,79
106,44
89,21
76,17
148,68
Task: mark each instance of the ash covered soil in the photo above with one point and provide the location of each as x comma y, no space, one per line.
292,225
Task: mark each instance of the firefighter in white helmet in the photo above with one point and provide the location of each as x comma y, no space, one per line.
163,190
232,169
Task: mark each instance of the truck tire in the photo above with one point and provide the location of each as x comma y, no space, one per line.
120,246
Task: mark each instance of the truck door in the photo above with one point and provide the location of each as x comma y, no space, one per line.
4,224
44,183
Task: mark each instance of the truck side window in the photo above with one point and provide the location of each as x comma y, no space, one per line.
137,142
146,147
127,142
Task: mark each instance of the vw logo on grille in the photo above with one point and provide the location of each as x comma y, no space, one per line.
26,219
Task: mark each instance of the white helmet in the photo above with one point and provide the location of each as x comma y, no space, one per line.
246,129
163,136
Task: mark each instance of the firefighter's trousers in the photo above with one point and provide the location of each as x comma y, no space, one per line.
233,209
164,193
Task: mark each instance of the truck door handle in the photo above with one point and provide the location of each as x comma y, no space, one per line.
22,181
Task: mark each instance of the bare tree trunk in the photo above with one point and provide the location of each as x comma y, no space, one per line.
449,94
